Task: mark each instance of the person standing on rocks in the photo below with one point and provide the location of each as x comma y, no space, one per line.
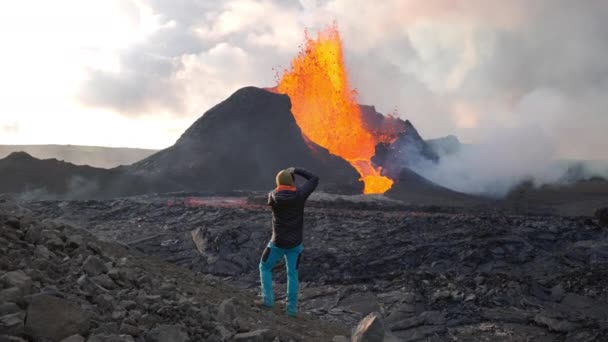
287,203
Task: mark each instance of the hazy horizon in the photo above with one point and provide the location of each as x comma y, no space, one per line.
138,73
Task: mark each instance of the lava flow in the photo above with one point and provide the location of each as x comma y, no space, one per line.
326,109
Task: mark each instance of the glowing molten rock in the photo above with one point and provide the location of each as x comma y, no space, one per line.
326,109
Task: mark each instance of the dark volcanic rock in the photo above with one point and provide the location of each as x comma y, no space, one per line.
408,150
381,125
34,178
242,143
52,291
444,146
55,318
440,274
602,216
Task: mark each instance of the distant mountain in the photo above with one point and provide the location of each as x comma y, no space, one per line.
104,157
20,173
444,146
407,150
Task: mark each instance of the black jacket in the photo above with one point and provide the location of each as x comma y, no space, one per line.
288,211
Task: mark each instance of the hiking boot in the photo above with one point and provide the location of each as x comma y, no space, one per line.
260,303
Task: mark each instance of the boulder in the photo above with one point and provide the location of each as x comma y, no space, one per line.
602,216
73,338
110,338
370,329
93,266
12,323
553,324
55,318
167,333
8,308
17,279
12,294
260,335
227,310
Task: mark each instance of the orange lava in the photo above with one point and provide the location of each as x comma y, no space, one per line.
326,109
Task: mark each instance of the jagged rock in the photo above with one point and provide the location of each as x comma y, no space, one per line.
363,303
8,308
110,338
75,241
260,335
409,149
17,279
34,235
555,324
403,257
105,281
12,294
602,216
227,311
419,333
74,338
13,222
55,318
12,323
370,329
167,333
128,329
93,266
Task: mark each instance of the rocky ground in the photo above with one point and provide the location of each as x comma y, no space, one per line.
59,282
433,273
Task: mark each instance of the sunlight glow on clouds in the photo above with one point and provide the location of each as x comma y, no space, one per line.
139,72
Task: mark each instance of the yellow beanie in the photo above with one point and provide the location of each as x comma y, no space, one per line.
284,177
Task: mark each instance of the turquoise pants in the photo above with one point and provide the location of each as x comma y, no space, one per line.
272,254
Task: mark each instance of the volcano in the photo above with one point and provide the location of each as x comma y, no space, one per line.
240,144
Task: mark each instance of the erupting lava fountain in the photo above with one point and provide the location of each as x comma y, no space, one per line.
326,109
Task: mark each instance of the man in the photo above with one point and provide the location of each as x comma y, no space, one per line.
287,202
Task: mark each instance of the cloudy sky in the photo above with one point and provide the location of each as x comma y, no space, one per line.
138,72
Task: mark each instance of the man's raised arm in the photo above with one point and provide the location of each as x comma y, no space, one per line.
312,181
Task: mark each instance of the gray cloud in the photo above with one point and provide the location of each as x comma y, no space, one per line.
494,73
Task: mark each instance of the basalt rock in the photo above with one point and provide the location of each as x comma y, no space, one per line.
602,216
107,292
435,273
409,149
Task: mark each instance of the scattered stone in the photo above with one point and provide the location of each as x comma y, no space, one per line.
93,266
55,318
370,329
557,292
556,325
74,338
8,308
260,335
602,216
167,333
13,222
75,241
110,338
227,311
12,323
12,294
19,280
